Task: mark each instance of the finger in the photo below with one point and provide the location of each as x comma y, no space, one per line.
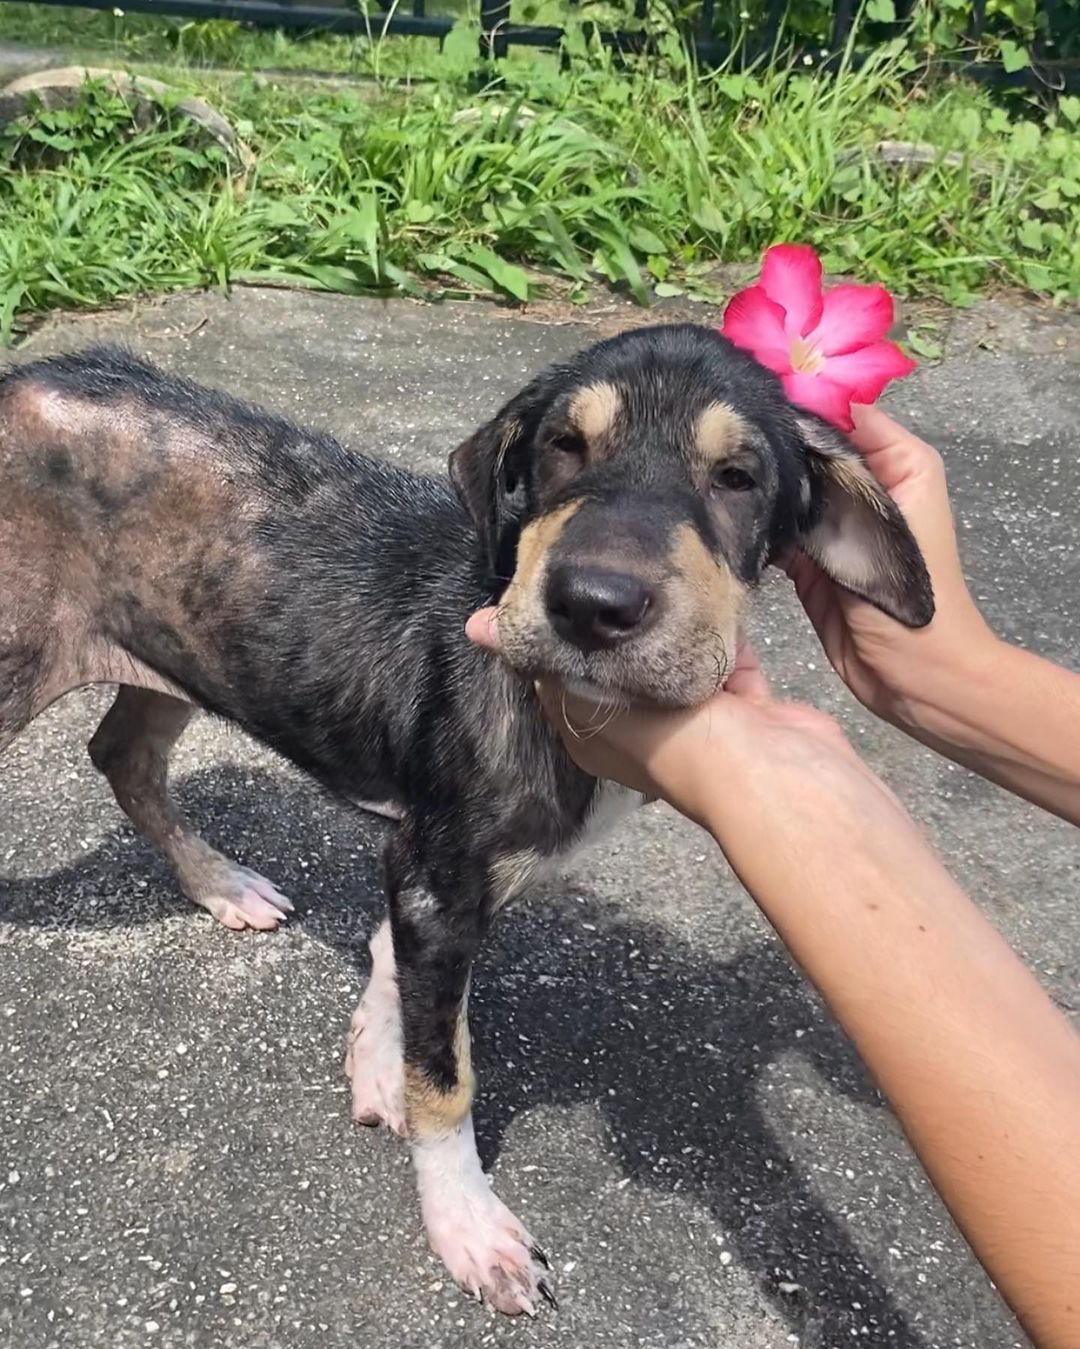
747,680
482,628
875,430
806,576
892,453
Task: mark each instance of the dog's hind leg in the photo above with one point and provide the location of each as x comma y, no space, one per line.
131,747
435,938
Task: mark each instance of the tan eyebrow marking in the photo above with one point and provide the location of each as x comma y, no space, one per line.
718,433
594,409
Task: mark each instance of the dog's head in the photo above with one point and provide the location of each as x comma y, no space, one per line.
629,499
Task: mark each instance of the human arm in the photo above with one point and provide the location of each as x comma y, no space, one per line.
955,686
979,1066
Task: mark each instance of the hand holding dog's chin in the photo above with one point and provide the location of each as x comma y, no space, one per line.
744,766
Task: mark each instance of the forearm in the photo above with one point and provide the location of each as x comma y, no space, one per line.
980,1068
1010,716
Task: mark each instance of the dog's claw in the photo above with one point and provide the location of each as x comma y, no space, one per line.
539,1254
548,1293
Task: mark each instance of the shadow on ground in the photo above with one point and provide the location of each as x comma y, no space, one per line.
657,1040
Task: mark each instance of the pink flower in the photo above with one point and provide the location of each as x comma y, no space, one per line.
828,347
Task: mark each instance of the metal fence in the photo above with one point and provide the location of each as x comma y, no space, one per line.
498,32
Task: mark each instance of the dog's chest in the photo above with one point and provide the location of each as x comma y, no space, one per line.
611,804
515,871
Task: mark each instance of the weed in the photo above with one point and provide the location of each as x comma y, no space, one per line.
645,177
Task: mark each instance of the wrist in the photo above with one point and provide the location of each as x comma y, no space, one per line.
951,691
785,831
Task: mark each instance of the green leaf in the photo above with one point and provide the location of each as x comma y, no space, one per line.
403,281
461,48
419,212
1030,235
1013,56
505,274
709,218
567,252
667,290
622,266
470,275
645,241
1069,107
925,346
968,124
881,11
1025,139
362,225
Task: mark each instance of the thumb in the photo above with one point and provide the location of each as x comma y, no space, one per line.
482,628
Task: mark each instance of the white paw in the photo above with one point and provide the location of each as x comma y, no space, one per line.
484,1247
491,1256
373,1060
241,898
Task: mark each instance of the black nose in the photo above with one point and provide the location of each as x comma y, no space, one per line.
592,607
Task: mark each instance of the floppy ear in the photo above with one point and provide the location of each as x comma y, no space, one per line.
488,477
855,532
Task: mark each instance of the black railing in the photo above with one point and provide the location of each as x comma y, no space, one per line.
498,32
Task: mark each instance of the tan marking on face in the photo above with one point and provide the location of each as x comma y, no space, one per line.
715,594
537,540
718,433
429,1110
593,411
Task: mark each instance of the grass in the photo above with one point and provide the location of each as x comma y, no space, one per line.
644,177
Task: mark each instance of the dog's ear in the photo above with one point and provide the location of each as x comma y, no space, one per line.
855,532
487,472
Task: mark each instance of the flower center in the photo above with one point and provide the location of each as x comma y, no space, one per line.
805,357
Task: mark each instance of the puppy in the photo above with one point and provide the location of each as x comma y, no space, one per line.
200,553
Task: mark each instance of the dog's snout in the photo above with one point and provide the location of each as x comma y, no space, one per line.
592,607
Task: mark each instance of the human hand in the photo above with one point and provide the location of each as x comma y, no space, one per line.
888,667
741,756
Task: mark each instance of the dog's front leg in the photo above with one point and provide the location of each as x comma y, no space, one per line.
436,933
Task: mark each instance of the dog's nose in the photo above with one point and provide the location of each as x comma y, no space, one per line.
592,607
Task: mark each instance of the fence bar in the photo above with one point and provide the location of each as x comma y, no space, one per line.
843,13
494,22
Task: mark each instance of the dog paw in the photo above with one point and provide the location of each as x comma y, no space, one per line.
373,1064
490,1254
240,898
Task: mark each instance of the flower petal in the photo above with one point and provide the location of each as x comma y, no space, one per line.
791,277
853,317
820,395
866,372
754,323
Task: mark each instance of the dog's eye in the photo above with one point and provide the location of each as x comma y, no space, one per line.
569,442
732,479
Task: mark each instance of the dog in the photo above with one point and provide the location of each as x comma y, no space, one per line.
200,553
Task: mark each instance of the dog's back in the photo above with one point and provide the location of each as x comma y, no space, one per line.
157,529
